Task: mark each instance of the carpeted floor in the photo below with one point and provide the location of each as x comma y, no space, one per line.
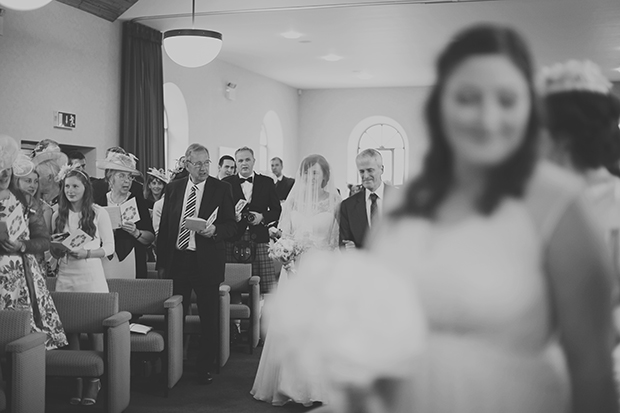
229,392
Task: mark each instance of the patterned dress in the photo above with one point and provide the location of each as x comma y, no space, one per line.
23,287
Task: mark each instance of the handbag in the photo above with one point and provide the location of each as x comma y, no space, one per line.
243,251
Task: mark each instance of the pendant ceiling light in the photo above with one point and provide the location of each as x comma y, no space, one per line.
192,47
23,5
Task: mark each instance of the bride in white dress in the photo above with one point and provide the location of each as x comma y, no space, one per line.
309,217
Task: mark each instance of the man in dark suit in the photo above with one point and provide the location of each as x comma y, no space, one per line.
284,184
359,211
263,208
196,260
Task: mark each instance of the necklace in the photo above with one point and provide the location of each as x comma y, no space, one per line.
112,201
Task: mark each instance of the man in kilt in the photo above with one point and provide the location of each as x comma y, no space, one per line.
263,207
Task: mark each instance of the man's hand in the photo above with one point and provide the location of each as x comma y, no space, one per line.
207,232
238,216
258,218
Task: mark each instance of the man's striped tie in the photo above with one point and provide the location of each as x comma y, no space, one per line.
190,210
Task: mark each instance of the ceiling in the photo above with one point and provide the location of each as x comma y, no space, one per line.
389,42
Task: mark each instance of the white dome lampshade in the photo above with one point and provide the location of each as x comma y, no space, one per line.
23,5
192,47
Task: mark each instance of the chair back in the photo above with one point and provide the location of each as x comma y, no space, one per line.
15,324
84,312
141,296
237,276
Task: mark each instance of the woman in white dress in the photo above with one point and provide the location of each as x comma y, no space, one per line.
509,267
504,253
81,270
309,218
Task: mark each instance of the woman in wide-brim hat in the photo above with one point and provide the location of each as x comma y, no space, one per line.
22,283
131,238
48,159
155,185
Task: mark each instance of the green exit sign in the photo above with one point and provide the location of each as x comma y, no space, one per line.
64,120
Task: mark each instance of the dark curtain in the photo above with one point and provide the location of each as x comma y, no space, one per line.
142,95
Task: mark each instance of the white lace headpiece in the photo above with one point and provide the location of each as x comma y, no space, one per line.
573,75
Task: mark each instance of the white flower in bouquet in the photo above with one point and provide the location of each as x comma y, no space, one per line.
351,320
285,250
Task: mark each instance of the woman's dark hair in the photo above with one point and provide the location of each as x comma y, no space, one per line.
19,194
587,123
310,160
425,194
148,194
87,220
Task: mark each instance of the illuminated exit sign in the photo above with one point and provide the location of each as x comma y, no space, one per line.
64,120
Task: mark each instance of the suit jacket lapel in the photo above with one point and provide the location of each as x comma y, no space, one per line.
207,200
359,210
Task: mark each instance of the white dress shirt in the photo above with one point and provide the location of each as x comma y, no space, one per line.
379,193
199,191
247,187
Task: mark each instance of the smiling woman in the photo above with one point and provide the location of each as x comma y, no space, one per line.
500,248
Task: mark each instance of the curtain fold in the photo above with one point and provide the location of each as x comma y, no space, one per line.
142,95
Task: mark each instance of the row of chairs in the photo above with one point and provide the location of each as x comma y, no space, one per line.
109,314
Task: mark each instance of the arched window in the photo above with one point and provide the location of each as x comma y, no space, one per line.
263,149
270,141
386,136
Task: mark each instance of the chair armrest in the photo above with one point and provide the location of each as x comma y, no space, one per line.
117,363
254,280
27,373
26,343
117,319
224,289
173,301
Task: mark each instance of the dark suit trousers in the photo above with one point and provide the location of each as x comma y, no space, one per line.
186,277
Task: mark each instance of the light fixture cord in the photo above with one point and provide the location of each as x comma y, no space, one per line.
193,11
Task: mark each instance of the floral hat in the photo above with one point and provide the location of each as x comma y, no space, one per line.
9,150
64,171
22,165
46,150
159,174
571,76
119,162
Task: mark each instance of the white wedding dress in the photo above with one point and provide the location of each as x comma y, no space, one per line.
280,380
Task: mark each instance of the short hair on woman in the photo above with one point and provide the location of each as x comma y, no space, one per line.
195,147
587,123
425,194
311,160
371,153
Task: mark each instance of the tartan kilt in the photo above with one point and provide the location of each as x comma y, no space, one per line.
262,265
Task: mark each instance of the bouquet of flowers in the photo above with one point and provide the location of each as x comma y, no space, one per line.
285,250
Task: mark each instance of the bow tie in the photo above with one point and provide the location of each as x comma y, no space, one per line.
250,179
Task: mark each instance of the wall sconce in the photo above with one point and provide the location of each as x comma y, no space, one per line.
230,91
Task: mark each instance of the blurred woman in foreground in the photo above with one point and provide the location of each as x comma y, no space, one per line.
510,270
